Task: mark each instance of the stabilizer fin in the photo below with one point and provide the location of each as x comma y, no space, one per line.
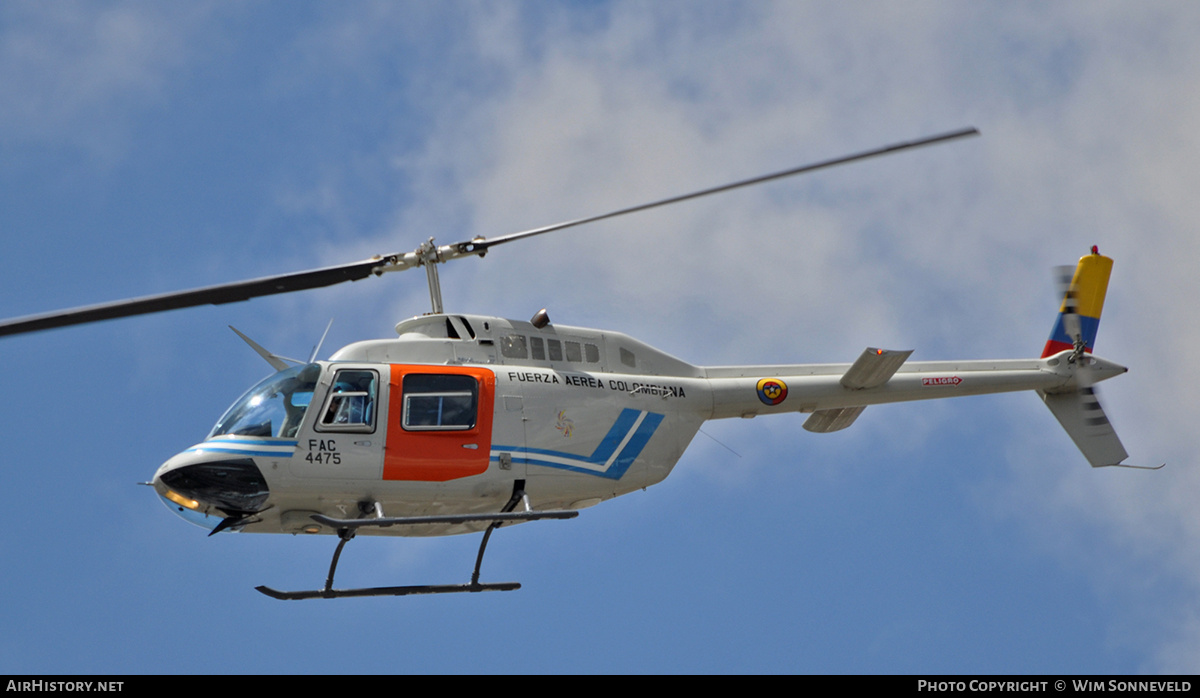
1081,415
873,368
825,421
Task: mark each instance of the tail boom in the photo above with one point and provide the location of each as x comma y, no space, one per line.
813,388
836,394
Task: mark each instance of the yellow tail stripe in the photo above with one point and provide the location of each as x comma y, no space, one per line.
1091,284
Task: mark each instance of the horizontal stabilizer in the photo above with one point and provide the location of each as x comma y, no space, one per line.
1083,418
873,368
825,421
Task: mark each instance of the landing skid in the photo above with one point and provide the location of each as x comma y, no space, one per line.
346,529
386,591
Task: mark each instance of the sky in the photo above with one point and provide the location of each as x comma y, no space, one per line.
151,147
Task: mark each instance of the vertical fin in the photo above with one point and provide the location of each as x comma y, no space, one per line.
1083,301
1081,416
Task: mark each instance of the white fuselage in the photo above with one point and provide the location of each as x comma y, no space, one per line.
450,415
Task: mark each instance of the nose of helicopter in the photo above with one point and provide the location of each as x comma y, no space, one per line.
206,488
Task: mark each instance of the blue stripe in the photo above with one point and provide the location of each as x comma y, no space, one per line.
239,451
614,436
1088,326
231,445
561,466
256,442
634,448
607,446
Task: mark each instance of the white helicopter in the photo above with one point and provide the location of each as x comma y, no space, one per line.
463,423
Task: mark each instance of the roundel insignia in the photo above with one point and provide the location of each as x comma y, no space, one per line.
772,391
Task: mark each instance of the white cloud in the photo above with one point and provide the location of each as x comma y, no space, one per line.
76,72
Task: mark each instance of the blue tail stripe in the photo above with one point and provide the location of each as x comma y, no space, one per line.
1087,325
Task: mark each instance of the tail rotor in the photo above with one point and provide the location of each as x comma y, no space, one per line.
1077,405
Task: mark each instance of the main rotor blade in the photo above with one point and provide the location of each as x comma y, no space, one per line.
481,246
427,254
214,295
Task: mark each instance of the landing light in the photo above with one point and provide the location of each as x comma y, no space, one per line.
182,500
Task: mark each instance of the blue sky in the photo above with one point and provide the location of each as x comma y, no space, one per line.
148,147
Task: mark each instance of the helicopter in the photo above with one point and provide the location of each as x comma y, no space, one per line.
465,423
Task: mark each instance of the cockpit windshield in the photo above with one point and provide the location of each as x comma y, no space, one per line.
275,407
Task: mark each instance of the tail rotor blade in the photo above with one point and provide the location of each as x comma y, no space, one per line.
1065,278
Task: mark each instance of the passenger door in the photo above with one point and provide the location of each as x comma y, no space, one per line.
440,423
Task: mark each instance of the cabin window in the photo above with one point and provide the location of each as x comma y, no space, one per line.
351,402
574,352
555,348
592,353
439,402
537,348
512,346
628,358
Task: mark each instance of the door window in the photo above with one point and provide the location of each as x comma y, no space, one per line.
351,403
440,402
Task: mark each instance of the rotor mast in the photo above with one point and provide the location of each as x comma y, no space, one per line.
430,260
429,255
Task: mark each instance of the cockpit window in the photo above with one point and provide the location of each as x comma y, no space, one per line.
351,403
275,407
